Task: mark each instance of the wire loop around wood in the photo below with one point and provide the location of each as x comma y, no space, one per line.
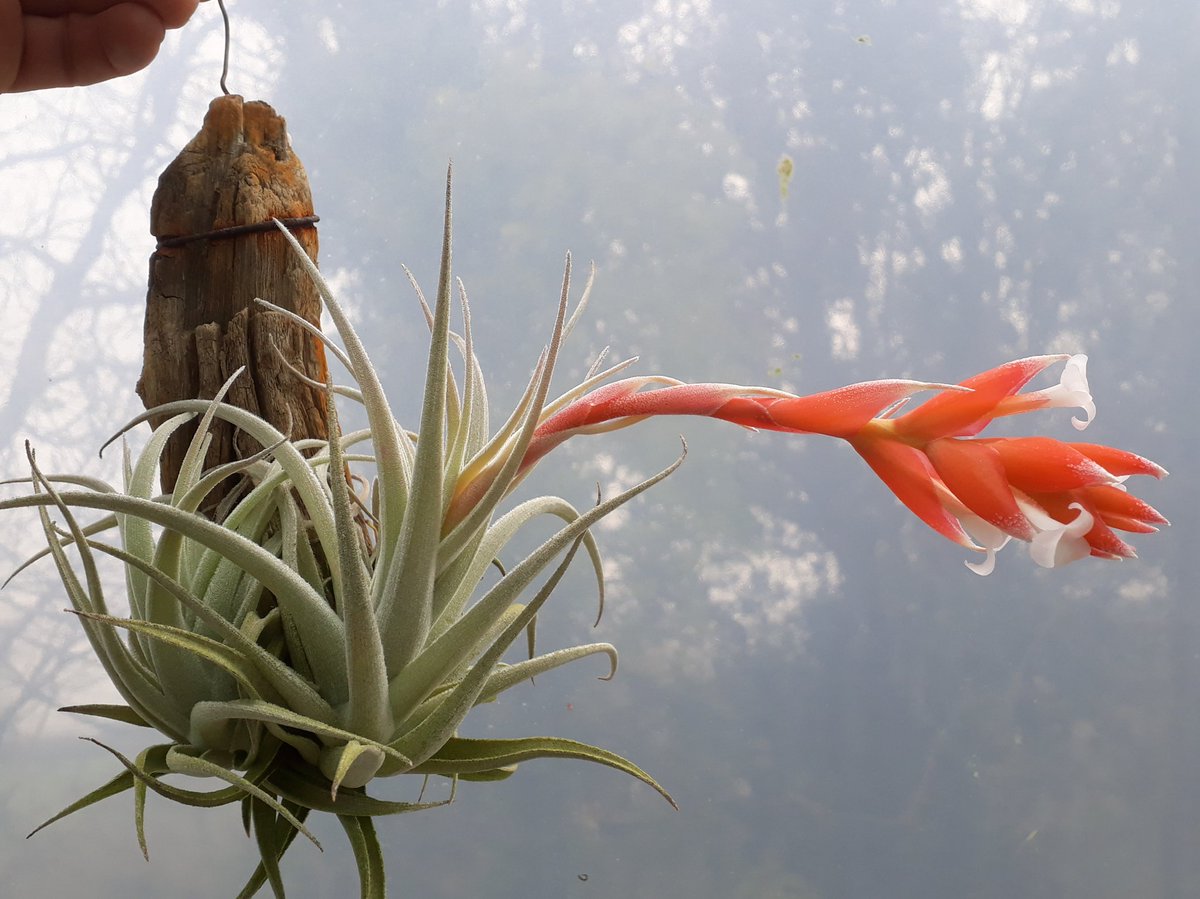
292,224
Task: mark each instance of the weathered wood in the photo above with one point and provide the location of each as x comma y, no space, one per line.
201,321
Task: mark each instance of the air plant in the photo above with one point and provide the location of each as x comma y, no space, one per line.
312,640
315,635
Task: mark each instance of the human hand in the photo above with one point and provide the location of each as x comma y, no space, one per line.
66,43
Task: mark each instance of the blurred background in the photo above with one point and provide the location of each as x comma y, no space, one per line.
840,708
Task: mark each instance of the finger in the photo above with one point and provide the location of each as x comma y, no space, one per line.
172,13
12,39
81,49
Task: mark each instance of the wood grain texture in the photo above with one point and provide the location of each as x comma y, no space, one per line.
201,321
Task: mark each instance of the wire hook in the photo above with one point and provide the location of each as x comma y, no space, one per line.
225,61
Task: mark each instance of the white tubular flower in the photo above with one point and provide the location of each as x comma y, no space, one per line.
989,537
1061,544
1072,391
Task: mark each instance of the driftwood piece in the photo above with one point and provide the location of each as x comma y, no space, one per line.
201,324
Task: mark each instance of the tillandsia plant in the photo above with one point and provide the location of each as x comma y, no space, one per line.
320,634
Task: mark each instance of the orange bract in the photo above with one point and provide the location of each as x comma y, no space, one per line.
978,492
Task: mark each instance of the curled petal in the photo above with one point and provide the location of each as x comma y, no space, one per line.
1072,391
984,568
1101,539
991,538
1063,543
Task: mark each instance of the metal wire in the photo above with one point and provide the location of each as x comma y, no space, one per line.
292,224
225,63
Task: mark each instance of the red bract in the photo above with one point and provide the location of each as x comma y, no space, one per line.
1063,499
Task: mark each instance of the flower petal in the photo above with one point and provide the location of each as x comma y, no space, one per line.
986,567
1101,539
1065,543
991,538
1070,392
